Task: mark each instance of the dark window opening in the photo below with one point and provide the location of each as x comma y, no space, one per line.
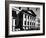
25,22
14,14
28,22
34,23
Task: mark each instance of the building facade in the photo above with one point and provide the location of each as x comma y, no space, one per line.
24,20
27,18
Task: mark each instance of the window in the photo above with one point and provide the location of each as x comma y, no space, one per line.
25,22
28,22
14,13
34,23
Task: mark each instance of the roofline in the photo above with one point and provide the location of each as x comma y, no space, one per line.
25,11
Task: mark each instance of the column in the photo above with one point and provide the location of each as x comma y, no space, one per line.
13,26
29,22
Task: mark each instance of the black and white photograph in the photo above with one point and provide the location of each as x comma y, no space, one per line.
25,19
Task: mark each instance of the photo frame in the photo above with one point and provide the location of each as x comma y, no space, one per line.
24,18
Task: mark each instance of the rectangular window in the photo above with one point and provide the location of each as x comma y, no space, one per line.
25,22
28,22
14,14
34,23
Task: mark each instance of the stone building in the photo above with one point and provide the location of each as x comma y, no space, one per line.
24,20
